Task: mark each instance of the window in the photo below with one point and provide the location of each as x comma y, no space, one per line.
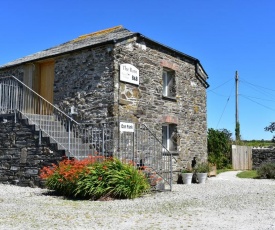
169,137
169,83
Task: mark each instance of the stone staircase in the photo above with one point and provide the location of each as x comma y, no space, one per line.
66,138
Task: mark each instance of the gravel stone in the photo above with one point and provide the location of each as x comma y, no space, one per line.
223,202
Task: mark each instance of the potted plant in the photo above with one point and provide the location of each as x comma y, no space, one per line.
201,171
187,175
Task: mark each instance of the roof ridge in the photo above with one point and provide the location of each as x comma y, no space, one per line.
98,33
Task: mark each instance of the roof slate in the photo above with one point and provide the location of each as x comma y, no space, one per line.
83,41
87,40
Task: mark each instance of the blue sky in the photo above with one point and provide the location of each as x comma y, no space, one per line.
226,36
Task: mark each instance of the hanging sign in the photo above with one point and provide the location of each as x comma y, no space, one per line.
126,127
129,73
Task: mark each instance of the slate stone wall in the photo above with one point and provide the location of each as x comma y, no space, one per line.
17,71
145,103
260,156
89,80
21,156
84,79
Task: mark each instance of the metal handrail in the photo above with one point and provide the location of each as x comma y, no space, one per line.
79,141
38,95
51,121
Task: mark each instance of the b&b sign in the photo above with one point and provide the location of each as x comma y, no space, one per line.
129,73
126,127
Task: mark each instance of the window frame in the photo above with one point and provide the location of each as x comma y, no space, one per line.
166,75
168,140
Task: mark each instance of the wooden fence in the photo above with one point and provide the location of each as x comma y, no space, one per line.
241,157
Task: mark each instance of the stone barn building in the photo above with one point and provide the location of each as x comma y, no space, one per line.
112,92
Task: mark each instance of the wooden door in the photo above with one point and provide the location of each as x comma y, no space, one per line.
46,82
28,102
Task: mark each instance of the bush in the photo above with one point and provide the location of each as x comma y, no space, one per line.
94,178
202,167
266,170
219,147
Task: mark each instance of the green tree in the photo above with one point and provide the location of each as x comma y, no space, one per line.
219,147
237,132
271,128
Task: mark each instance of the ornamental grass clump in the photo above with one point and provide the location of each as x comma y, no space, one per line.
94,178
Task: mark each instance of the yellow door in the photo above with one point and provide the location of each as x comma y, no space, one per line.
46,82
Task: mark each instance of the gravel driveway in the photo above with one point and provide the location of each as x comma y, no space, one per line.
224,202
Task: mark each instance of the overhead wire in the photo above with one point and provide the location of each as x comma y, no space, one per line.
262,90
256,98
210,90
257,102
224,107
259,89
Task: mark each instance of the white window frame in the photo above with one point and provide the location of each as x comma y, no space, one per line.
167,142
167,76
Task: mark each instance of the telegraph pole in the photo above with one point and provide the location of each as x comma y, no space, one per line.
237,129
237,101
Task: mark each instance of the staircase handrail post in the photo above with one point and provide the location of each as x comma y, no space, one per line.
39,96
103,141
171,172
69,138
40,112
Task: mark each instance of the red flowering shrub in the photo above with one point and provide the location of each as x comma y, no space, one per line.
63,177
95,177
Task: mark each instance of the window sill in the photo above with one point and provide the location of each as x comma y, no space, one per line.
174,153
169,98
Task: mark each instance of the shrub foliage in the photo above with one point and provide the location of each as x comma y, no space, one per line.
95,177
219,147
266,170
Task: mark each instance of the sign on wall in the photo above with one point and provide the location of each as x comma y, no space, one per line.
129,73
126,127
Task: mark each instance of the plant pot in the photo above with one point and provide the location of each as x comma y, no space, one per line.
187,178
213,170
201,178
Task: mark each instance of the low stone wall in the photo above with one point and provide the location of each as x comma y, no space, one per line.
262,155
21,156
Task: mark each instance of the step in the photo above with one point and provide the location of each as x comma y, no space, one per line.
38,117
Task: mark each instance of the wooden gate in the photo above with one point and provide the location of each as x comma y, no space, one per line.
241,157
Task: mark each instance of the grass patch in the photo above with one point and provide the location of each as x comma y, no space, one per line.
251,174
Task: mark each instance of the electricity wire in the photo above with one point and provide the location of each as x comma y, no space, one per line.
257,102
260,89
210,90
225,107
256,98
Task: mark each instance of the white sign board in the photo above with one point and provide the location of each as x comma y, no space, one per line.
126,127
129,73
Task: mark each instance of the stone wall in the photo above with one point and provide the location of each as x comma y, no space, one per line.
21,156
84,79
262,155
89,80
17,71
145,103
